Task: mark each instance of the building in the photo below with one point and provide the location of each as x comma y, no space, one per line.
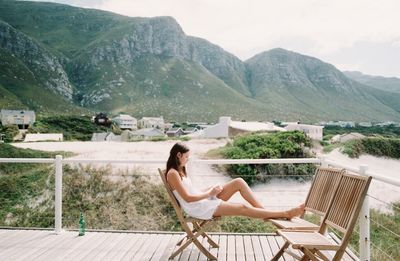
228,128
313,131
102,119
343,124
175,132
22,118
147,133
32,137
125,122
151,122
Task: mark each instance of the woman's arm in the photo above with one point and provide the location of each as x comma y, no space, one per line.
174,180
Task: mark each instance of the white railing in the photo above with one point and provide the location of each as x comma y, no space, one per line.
364,218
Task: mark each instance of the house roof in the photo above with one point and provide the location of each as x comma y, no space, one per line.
254,126
125,117
148,132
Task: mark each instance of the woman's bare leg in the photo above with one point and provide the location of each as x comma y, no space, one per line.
236,209
240,185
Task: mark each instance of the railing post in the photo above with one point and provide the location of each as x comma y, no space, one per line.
365,252
58,196
324,164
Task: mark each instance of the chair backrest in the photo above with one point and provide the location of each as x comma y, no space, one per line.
171,196
345,207
323,188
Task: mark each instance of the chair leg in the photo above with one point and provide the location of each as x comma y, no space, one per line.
309,254
204,234
204,250
280,252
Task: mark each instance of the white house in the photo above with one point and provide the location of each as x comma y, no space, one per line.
32,137
22,118
151,122
125,121
228,128
313,131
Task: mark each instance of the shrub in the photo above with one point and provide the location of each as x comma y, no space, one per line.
9,131
264,146
388,147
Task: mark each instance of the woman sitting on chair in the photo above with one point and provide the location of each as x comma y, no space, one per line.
212,202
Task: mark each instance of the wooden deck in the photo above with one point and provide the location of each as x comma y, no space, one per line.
119,245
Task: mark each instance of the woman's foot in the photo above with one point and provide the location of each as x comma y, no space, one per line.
295,212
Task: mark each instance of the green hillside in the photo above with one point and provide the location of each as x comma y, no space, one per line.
90,60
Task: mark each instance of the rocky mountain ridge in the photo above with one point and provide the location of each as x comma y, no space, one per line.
149,66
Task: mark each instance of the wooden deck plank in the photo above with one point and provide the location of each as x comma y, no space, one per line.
239,247
123,248
32,246
266,248
222,251
96,249
275,247
231,249
154,246
120,248
89,247
116,238
161,248
214,250
18,245
78,242
171,246
258,252
132,251
147,249
248,248
43,246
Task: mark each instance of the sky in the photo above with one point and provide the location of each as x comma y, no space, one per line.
355,35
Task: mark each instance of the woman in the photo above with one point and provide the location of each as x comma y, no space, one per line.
212,202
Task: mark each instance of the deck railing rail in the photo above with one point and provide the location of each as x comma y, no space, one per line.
364,218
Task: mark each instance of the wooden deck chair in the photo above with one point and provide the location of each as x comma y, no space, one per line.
342,215
323,187
192,234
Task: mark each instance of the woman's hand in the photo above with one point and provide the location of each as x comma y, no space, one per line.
215,190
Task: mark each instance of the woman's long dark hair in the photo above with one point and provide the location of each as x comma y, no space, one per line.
173,161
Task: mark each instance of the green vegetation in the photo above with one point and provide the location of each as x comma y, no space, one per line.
386,147
72,127
9,132
263,146
385,131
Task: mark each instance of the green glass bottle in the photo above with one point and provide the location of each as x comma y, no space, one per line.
81,225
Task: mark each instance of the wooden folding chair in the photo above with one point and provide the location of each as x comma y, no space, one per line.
323,187
192,234
341,215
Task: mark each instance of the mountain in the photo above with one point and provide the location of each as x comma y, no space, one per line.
386,89
289,80
30,75
85,59
390,84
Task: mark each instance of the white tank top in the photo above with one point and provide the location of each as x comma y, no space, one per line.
202,209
